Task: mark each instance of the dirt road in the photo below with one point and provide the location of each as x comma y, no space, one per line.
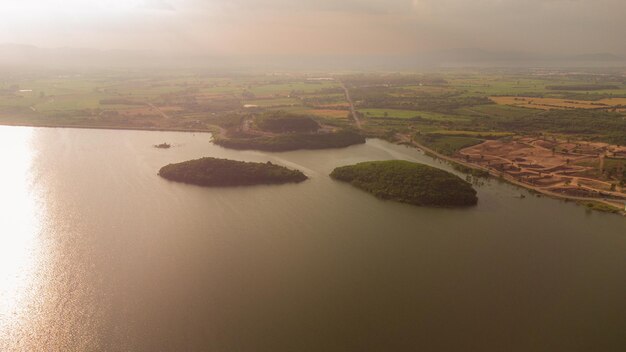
355,116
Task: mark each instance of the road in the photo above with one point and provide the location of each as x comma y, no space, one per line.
355,116
161,112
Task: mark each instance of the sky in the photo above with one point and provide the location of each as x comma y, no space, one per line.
318,27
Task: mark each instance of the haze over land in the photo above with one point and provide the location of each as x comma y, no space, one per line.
326,33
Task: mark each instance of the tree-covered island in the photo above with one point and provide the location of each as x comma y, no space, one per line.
212,172
408,182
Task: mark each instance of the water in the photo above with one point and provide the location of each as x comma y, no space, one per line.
98,253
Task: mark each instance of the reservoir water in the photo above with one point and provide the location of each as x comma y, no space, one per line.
98,253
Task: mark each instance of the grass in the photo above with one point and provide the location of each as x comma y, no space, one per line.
409,114
268,103
601,207
477,134
497,85
72,98
447,145
325,113
497,111
283,89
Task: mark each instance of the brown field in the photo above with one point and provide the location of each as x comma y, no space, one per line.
556,103
550,165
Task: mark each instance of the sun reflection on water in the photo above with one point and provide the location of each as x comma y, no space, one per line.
20,221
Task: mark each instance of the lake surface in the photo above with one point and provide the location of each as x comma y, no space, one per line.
99,253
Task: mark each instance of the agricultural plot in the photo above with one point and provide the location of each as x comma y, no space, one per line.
271,103
323,113
555,103
286,89
409,114
495,111
445,144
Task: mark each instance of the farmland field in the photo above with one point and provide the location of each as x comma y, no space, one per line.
408,114
555,103
512,123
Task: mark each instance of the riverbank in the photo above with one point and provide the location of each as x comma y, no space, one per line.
615,206
406,140
214,130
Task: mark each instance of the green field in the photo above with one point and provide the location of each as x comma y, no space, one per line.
408,114
476,134
284,89
450,103
447,145
268,103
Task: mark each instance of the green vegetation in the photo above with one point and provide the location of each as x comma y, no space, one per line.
453,103
211,172
615,169
267,103
408,114
295,141
408,182
283,122
610,126
446,145
584,87
477,134
471,171
601,207
388,98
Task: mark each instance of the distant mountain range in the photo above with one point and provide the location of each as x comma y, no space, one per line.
36,57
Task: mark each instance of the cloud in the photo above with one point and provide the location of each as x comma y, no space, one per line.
320,26
344,6
160,5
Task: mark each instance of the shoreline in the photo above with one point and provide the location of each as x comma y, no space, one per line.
507,178
404,140
114,128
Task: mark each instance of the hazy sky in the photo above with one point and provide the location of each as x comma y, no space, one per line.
318,26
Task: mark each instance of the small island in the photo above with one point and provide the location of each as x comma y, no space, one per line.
163,146
409,183
212,172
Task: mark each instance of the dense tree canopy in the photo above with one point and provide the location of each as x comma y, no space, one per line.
294,141
408,182
281,122
213,172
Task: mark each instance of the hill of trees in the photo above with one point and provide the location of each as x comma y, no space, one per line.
294,141
408,182
211,172
284,122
